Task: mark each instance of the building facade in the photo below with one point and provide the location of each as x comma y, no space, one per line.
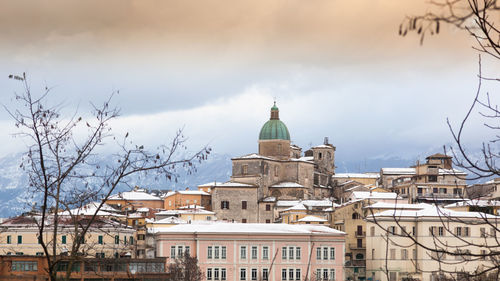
246,252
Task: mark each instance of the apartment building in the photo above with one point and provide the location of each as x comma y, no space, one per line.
247,252
393,255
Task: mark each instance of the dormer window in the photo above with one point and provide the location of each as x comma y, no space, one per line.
320,155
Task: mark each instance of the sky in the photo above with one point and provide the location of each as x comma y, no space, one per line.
336,68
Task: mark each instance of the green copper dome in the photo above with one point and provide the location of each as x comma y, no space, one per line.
274,128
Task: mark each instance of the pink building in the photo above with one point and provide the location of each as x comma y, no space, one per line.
247,252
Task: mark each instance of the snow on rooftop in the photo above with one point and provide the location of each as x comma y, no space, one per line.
398,171
475,202
298,207
433,212
451,172
170,220
288,184
186,192
185,211
254,156
305,159
133,195
323,146
192,206
385,205
251,228
308,203
269,199
143,210
357,175
373,195
91,209
312,219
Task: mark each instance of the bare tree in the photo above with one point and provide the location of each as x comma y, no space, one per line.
66,172
185,268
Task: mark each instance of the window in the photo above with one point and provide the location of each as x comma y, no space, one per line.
372,231
243,205
283,253
268,221
297,274
209,274
265,253
392,254
404,254
9,239
224,205
223,274
125,240
318,274
332,274
117,239
19,239
373,254
276,172
441,231
325,274
216,274
24,266
243,274
216,255
254,252
265,273
187,249
290,253
318,253
458,231
297,253
100,255
492,232
290,274
413,231
100,239
283,274
223,252
268,207
432,230
391,230
414,254
209,252
482,230
332,253
39,253
172,252
180,251
244,169
141,237
243,220
243,252
355,216
466,231
254,273
433,178
325,253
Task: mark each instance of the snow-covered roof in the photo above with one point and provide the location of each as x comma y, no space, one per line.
269,199
253,228
475,203
288,184
133,195
143,210
186,192
305,159
357,175
385,205
170,220
187,211
373,195
192,206
432,211
398,171
253,156
298,207
90,209
135,216
308,203
323,146
312,219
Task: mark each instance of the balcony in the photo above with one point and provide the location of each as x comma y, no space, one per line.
355,246
355,263
360,234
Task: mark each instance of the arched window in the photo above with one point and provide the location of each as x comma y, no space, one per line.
359,256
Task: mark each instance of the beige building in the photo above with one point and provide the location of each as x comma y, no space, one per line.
393,255
277,172
435,181
487,190
105,238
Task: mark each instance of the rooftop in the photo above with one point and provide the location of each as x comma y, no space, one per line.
134,195
253,228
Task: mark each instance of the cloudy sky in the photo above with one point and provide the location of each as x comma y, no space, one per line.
337,68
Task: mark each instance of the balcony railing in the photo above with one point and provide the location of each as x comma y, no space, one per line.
360,234
355,263
355,246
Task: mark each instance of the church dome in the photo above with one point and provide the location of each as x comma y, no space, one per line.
274,128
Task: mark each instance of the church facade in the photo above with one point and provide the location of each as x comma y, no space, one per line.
277,172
